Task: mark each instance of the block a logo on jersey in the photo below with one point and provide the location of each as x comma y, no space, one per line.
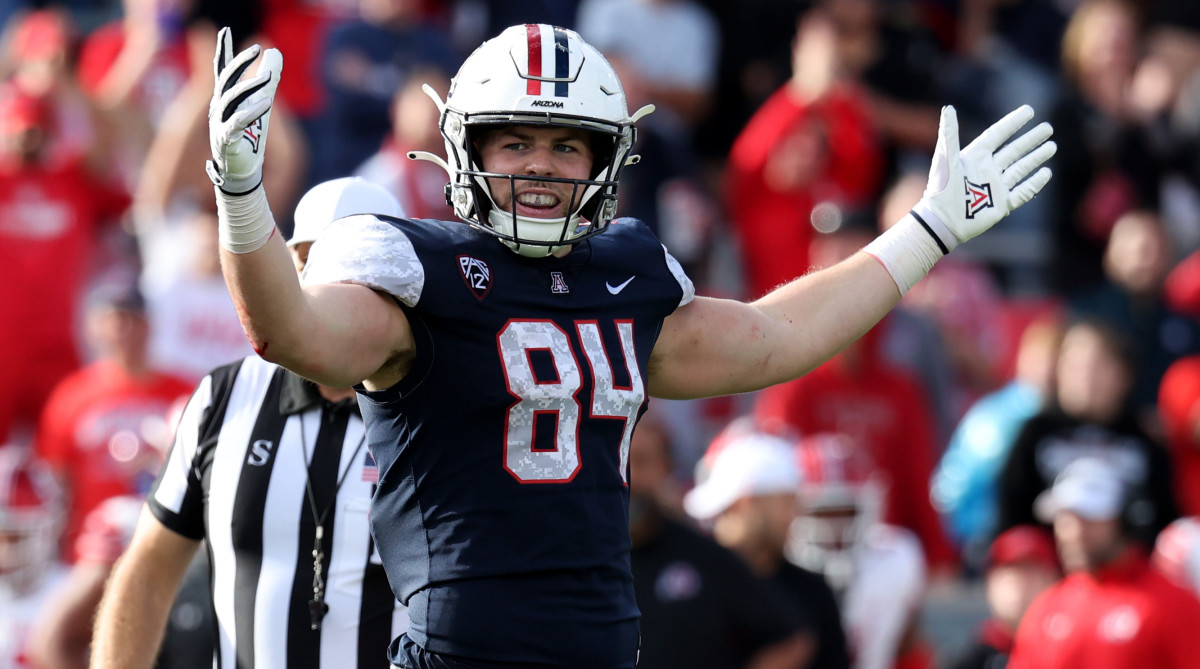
979,197
253,134
558,284
477,275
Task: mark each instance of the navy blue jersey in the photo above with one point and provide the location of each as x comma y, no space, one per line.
502,509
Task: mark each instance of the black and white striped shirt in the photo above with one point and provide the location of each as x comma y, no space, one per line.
236,477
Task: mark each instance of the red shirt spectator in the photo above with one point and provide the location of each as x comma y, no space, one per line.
791,156
102,429
1123,615
159,77
49,216
1179,406
881,407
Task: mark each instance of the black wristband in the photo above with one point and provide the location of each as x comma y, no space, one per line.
256,187
940,243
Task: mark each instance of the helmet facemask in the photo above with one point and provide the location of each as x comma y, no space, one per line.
496,87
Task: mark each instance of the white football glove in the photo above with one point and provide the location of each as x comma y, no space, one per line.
240,115
992,179
968,192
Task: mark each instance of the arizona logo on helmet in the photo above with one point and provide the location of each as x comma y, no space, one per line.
979,197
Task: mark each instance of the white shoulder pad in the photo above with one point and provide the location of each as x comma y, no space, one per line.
689,290
369,252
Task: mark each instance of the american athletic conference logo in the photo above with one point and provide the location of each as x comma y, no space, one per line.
979,197
476,274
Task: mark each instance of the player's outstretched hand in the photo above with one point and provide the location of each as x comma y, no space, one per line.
970,190
240,114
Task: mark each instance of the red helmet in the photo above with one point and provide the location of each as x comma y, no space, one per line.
841,498
31,519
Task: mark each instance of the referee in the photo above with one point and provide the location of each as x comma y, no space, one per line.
273,472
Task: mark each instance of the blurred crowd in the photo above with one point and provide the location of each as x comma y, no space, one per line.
939,448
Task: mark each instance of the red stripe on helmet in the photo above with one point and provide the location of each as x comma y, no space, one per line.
534,32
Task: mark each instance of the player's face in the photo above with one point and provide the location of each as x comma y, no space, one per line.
542,152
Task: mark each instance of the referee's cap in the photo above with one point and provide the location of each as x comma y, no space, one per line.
330,200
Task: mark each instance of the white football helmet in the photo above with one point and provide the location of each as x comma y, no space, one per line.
538,75
841,498
32,511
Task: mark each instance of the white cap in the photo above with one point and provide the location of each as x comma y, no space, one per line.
1088,486
752,465
330,200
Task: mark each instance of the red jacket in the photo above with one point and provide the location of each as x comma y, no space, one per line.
773,225
1126,616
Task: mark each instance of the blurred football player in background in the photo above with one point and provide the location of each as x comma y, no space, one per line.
32,510
877,570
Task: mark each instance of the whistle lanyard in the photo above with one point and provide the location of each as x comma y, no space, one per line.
317,608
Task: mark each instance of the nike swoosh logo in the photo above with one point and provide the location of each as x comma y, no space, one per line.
619,287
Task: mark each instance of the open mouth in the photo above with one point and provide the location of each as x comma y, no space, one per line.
538,203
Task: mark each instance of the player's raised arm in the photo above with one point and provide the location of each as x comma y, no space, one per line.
712,347
337,335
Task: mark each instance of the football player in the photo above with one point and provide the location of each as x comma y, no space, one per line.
878,570
504,359
32,513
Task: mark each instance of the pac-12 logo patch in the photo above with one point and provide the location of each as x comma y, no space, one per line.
477,275
979,197
253,133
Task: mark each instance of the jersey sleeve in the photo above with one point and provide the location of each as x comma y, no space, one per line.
685,284
367,251
177,499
